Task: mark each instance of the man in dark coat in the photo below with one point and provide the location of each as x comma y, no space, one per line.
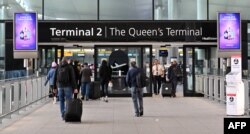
173,72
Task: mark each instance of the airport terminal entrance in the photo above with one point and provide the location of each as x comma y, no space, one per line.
57,36
119,58
198,60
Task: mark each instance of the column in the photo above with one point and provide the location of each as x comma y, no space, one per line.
158,10
3,13
172,9
201,9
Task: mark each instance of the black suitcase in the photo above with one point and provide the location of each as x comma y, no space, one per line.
94,92
166,89
73,112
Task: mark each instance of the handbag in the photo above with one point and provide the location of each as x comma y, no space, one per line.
110,84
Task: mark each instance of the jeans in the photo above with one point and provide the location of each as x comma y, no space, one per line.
137,96
85,86
104,86
174,85
64,92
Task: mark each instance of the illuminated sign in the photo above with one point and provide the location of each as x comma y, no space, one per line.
229,31
25,32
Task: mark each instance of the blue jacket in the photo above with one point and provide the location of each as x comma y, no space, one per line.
131,76
51,76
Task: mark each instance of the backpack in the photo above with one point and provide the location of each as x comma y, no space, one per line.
63,75
141,79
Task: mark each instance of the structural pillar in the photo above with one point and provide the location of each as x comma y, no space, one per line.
172,9
201,9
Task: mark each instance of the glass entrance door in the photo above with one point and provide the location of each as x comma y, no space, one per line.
48,54
188,70
119,58
198,60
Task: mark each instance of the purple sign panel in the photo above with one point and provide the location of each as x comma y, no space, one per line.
229,31
25,31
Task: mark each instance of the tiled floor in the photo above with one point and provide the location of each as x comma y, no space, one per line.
162,116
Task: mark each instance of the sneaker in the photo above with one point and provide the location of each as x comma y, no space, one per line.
82,98
54,100
87,98
106,99
63,116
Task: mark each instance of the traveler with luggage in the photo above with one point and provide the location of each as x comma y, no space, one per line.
50,79
173,73
136,92
105,76
76,67
65,82
85,75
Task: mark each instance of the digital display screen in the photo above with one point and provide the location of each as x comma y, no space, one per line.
163,53
229,31
25,31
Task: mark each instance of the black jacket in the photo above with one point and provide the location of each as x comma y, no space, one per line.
105,73
70,73
172,76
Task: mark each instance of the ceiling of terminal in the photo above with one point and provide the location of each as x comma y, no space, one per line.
12,6
109,9
82,9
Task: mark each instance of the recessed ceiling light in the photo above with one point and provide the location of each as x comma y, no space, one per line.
5,6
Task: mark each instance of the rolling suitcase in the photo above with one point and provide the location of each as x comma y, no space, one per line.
166,89
73,111
94,92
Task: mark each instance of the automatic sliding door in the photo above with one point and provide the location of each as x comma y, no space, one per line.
198,60
188,68
119,58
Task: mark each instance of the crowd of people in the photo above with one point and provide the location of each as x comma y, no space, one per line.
70,77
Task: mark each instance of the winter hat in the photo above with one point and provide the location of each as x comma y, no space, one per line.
53,64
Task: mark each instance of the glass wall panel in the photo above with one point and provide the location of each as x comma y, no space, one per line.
70,9
248,37
2,50
161,9
9,7
241,6
176,9
248,33
125,9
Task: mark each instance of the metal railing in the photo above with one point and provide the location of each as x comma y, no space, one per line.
17,94
214,88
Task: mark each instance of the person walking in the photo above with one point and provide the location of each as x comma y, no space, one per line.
105,76
86,73
158,74
136,93
65,82
173,73
50,79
